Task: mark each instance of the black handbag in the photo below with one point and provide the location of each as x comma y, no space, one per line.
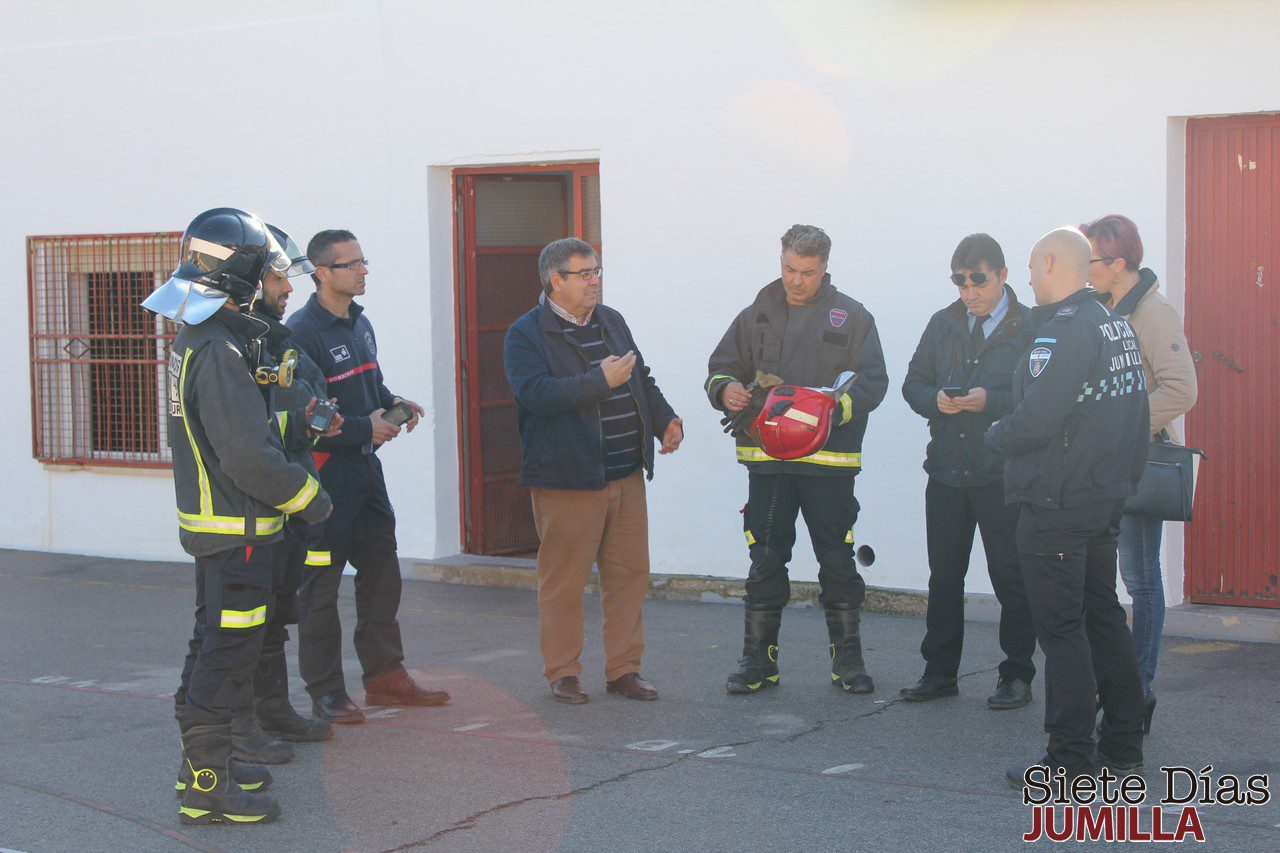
1167,488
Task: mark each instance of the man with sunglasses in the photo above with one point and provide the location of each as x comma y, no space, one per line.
335,333
960,379
589,414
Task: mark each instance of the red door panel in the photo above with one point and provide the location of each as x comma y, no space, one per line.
1233,304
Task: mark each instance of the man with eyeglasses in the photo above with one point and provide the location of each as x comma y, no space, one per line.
961,380
335,333
803,330
589,414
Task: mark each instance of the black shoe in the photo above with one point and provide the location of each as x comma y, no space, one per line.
844,629
930,687
1120,769
1015,775
1150,707
251,745
397,688
275,712
758,667
1010,693
211,795
247,777
336,707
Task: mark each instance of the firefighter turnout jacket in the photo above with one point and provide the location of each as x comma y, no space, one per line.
808,345
1078,430
308,382
233,483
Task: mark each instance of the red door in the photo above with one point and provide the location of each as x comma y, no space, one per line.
504,216
1233,305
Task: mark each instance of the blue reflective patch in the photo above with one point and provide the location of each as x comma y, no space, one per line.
1046,340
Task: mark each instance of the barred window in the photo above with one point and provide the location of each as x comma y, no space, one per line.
98,358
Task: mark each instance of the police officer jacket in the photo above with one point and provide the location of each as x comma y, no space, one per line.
957,455
232,480
810,346
1078,431
346,351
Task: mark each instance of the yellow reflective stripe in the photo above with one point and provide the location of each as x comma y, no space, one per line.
751,540
282,418
707,387
848,537
319,558
846,409
206,497
228,524
244,618
822,457
299,501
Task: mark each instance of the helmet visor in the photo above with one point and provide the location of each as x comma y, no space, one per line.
277,259
299,265
185,301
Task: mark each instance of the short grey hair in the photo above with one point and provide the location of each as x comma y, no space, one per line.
555,256
807,241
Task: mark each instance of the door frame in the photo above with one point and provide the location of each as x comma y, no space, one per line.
465,293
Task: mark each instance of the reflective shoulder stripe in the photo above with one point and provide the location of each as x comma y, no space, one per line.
299,502
846,409
830,458
319,558
228,524
206,496
714,377
244,618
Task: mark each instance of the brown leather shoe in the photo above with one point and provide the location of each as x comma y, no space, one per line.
568,691
632,686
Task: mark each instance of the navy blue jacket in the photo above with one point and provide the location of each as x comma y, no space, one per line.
957,455
1079,428
347,353
558,395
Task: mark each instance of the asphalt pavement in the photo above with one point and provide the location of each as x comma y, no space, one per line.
92,650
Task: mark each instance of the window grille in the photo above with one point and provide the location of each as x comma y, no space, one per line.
98,358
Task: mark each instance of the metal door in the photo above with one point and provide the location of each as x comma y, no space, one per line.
503,218
1233,305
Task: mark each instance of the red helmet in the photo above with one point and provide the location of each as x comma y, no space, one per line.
794,421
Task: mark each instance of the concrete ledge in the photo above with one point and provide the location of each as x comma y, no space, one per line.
1197,621
518,574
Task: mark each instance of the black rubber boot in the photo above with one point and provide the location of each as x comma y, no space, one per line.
848,671
212,797
275,713
248,777
759,665
251,745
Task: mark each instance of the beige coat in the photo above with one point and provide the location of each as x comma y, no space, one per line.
1166,359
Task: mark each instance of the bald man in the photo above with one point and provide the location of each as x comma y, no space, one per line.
1074,447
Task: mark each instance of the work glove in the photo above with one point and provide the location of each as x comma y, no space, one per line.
738,424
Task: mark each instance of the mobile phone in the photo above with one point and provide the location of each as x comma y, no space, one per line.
322,416
399,414
953,390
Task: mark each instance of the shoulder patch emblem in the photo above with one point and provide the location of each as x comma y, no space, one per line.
340,353
1174,347
368,341
1067,311
1039,360
838,316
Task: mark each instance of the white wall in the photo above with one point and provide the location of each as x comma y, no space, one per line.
898,127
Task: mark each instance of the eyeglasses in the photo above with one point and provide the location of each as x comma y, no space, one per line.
1101,260
978,278
346,265
587,275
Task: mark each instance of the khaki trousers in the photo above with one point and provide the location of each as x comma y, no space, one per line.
578,527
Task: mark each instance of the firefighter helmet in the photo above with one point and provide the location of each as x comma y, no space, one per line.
298,262
224,254
794,421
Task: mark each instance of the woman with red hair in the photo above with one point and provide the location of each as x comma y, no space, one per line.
1115,268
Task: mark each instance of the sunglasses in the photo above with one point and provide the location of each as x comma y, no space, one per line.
978,278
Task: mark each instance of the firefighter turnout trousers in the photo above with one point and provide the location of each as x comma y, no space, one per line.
290,555
233,606
361,531
769,524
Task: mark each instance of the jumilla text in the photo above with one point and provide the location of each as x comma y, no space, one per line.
1063,806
